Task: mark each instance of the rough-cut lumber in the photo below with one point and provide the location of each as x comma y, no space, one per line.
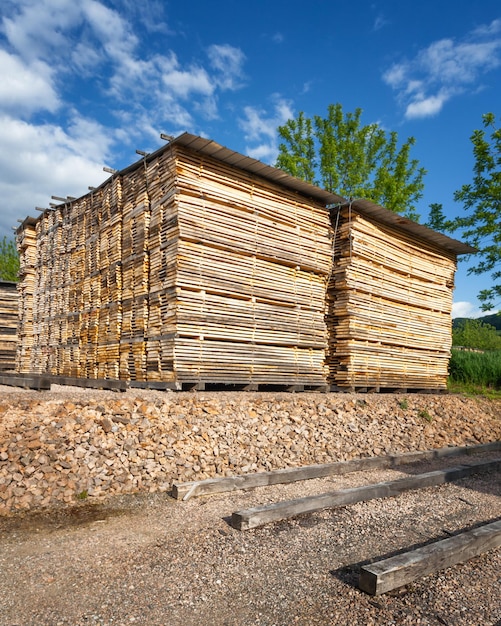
8,325
389,303
185,491
180,270
258,516
400,570
38,383
185,268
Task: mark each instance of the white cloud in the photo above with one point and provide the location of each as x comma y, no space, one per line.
111,29
445,69
48,161
427,106
261,126
26,88
184,83
227,61
65,57
37,28
467,309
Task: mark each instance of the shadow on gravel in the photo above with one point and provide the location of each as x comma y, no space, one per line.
71,517
349,574
80,515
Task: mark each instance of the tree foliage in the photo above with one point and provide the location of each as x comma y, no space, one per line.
437,219
481,227
345,157
9,260
472,333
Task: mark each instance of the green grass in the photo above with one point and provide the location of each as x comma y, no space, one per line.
469,389
475,370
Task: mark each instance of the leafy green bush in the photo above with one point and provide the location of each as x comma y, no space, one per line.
476,334
9,260
476,368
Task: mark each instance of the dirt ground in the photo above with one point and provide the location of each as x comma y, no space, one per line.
152,560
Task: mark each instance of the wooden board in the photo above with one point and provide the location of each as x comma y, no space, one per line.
8,325
400,570
189,489
258,516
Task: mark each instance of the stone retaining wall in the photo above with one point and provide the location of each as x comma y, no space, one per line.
58,448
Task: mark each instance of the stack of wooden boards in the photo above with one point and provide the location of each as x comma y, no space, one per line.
8,325
26,240
184,268
390,302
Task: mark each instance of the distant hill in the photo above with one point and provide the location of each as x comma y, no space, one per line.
494,320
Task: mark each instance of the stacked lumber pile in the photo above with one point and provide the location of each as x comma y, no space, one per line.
26,242
184,268
8,325
389,301
252,266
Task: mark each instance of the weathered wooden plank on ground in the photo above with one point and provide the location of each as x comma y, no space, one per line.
262,479
258,516
402,569
209,486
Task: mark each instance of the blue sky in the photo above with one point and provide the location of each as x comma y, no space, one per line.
85,83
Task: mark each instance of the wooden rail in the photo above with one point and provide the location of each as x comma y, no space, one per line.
258,516
400,570
186,490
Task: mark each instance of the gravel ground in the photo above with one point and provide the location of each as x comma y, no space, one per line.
152,560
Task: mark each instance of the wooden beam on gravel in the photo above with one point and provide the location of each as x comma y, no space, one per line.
258,516
184,491
263,479
402,569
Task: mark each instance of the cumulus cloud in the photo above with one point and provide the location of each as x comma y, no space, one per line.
26,87
468,309
445,69
259,125
227,61
48,161
63,62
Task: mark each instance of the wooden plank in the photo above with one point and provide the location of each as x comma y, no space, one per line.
258,516
209,486
187,490
38,383
90,383
400,570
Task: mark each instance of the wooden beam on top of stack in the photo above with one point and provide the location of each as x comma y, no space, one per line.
389,301
26,244
252,267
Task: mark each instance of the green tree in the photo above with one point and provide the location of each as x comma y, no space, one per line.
482,201
471,333
345,157
9,260
436,218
